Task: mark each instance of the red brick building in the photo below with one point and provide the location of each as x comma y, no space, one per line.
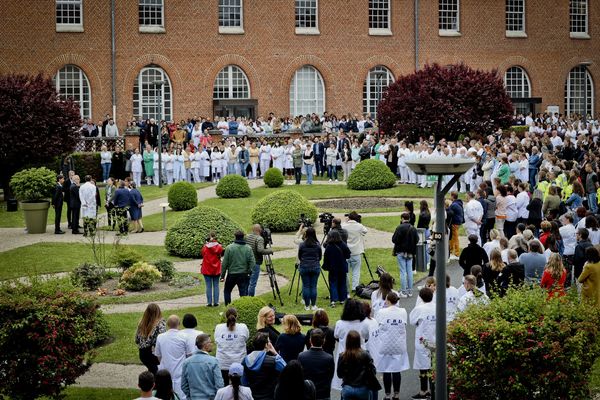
291,57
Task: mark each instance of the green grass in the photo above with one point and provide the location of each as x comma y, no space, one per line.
48,258
17,219
123,326
82,393
382,223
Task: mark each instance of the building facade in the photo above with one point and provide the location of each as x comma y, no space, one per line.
180,58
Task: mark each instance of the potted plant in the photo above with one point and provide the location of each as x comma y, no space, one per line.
33,187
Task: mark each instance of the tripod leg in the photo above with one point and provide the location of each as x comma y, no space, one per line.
297,287
293,279
368,266
325,280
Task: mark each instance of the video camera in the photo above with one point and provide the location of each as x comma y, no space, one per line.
266,235
326,219
358,217
304,221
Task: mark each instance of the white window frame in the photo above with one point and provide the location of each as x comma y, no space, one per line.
152,28
577,34
510,6
570,90
231,30
294,93
519,80
140,101
84,85
381,31
371,80
312,30
66,27
230,70
449,32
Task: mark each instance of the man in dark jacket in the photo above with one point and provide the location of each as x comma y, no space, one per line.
583,242
513,274
458,218
319,152
471,255
238,262
57,203
259,249
67,195
318,365
75,205
262,368
336,225
121,203
405,241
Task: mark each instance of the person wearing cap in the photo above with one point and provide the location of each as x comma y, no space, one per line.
356,244
200,375
234,390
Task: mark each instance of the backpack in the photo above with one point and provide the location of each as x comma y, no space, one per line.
365,291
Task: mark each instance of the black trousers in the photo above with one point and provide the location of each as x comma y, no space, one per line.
75,219
239,280
149,359
57,216
69,215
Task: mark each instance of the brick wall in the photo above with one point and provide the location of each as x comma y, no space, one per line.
192,51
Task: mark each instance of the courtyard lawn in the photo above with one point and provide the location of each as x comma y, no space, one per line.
49,258
82,393
123,326
382,223
17,219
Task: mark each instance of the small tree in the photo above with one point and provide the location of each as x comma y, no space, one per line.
36,124
445,102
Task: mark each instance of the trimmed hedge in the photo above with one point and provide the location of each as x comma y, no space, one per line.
33,184
182,196
371,175
248,308
273,178
233,187
281,210
188,235
139,276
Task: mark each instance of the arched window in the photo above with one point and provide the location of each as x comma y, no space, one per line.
518,86
152,95
231,83
70,82
378,79
579,91
307,92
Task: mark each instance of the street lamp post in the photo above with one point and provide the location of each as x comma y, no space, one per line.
160,85
441,166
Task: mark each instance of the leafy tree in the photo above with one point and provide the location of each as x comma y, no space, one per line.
36,124
445,102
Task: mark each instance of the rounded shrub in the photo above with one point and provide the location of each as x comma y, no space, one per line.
166,268
233,187
281,210
125,256
33,184
187,236
139,276
88,276
273,178
370,175
182,196
248,308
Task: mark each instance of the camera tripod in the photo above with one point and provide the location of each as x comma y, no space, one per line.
273,278
297,280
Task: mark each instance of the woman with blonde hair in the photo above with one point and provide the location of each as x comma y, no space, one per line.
554,276
265,322
291,342
492,270
150,326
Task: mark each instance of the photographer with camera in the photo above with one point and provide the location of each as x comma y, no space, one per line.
356,244
309,267
336,226
238,262
257,243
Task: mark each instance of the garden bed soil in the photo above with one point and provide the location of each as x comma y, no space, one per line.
112,285
360,203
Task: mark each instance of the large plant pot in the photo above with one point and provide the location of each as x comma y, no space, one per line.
36,216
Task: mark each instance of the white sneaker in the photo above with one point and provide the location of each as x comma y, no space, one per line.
306,308
414,271
330,180
403,295
336,180
314,308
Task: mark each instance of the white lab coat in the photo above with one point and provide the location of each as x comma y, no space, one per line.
424,318
278,154
388,346
341,330
377,302
171,350
136,163
87,196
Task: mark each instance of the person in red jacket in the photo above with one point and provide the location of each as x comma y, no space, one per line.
554,276
212,251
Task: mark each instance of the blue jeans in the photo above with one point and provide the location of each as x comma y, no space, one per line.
310,277
356,393
338,286
309,173
230,169
253,280
354,264
212,289
532,174
243,167
332,171
406,274
106,171
592,202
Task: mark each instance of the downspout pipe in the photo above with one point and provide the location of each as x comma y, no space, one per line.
113,59
416,35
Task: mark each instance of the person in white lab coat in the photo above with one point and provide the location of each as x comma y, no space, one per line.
87,196
389,348
473,294
424,318
473,216
136,167
379,296
278,154
170,350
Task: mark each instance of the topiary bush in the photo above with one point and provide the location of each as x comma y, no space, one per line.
139,276
273,178
166,268
524,346
187,236
233,187
125,256
182,196
47,336
248,308
280,211
33,184
88,276
371,175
